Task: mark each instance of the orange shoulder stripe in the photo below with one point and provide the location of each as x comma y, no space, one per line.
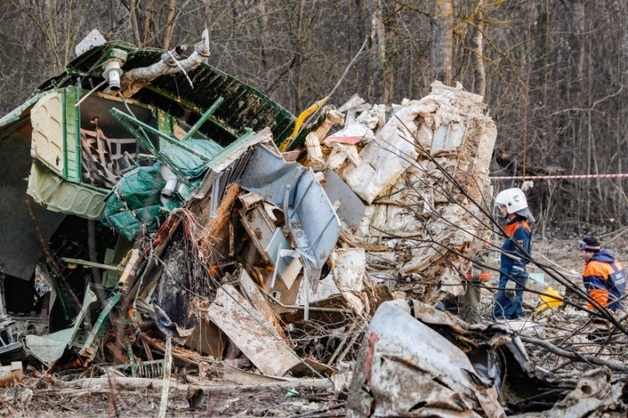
595,268
510,229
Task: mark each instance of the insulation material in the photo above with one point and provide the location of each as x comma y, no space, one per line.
326,289
381,161
341,153
348,269
351,135
347,204
425,177
314,138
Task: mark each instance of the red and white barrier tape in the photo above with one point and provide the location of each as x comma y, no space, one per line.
573,176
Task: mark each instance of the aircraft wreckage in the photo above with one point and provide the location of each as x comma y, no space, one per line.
172,214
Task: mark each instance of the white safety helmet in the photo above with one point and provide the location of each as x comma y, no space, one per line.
514,200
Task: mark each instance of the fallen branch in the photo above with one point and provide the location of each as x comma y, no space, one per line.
619,367
135,383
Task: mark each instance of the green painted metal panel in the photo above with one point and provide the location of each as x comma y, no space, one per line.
58,195
72,135
164,124
244,106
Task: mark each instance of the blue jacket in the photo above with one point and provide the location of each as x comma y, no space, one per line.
513,260
605,280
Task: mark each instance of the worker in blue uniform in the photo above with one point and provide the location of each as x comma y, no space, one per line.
604,277
515,253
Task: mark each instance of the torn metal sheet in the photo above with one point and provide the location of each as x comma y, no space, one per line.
408,369
348,205
251,332
398,354
228,163
594,394
93,338
310,216
325,289
269,240
51,347
8,341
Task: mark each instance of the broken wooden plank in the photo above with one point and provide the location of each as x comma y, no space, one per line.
206,338
251,332
260,302
223,212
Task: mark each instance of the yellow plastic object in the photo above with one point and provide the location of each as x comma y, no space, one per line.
297,126
550,299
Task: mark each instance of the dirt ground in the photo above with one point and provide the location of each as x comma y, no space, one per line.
48,397
44,395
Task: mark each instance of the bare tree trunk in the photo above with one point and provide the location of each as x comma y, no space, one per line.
148,20
380,92
620,200
477,45
443,40
298,58
134,22
263,16
169,24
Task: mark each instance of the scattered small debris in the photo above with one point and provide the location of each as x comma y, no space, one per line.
181,225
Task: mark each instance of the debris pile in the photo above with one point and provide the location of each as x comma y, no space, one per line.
419,361
205,236
260,258
178,219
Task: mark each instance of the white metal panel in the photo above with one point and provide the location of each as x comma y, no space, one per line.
47,143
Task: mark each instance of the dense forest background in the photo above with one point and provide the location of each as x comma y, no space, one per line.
552,71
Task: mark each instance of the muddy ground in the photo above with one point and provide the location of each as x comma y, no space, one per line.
40,394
